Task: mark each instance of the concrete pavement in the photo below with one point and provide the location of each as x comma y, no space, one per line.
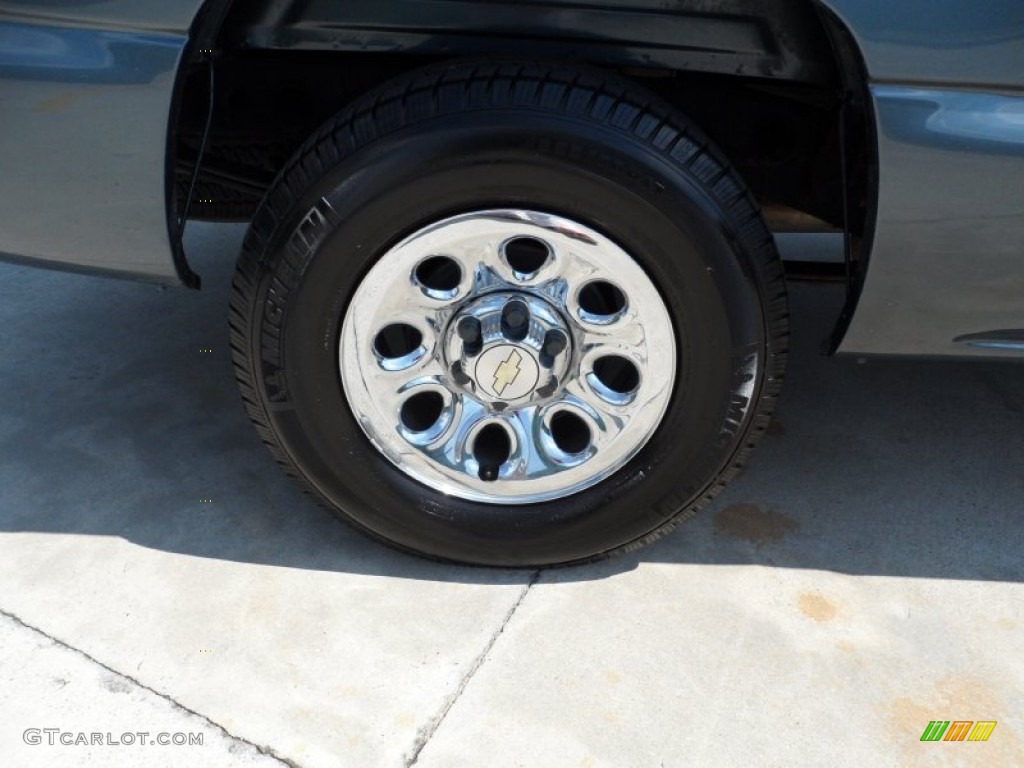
81,712
862,578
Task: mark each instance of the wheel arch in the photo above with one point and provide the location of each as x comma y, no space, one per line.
197,55
791,70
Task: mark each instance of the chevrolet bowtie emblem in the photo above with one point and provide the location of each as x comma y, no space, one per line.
507,372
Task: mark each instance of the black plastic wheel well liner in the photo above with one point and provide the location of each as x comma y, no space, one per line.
792,63
860,164
736,37
201,44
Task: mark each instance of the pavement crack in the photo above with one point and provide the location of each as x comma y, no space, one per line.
264,750
426,733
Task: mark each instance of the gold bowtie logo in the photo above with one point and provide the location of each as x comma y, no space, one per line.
507,372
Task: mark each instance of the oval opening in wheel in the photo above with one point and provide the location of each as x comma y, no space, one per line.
421,411
601,302
491,449
397,340
526,256
570,432
618,374
439,275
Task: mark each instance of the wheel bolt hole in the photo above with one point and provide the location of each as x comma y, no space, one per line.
526,255
421,411
617,373
397,340
439,273
601,299
570,433
491,449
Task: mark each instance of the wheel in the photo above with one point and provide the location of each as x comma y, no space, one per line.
509,314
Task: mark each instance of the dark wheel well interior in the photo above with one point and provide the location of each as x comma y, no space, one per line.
781,89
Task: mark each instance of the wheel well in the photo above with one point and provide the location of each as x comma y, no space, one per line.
787,107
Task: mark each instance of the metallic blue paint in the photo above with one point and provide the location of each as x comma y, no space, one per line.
87,87
958,120
961,42
948,256
947,260
85,92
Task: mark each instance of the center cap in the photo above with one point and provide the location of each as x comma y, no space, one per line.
507,372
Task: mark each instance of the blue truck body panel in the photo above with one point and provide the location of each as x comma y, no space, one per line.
948,253
86,91
947,258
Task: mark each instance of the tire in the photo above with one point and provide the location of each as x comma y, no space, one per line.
511,145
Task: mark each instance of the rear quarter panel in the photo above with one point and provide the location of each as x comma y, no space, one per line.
85,93
947,81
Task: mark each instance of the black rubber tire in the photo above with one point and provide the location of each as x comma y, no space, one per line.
581,143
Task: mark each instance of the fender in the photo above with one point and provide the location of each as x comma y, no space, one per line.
946,271
87,90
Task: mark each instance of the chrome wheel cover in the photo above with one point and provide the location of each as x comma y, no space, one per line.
507,356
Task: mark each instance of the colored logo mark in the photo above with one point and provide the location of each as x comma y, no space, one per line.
958,730
507,372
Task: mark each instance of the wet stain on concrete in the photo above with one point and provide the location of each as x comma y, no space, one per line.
750,523
817,607
775,428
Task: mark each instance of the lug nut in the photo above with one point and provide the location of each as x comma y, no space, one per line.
554,342
459,375
549,388
515,320
470,333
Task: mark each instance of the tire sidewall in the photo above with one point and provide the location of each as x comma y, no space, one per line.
605,179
